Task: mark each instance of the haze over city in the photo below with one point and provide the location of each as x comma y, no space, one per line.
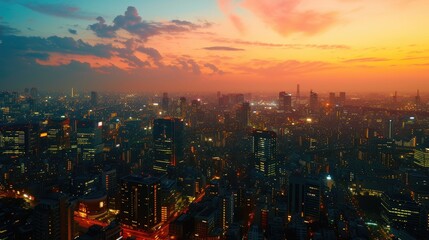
227,45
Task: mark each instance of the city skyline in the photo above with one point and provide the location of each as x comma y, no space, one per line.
226,45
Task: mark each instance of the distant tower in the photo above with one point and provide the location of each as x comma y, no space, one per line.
395,97
165,102
72,93
418,99
297,95
332,98
94,98
314,102
342,98
243,115
285,101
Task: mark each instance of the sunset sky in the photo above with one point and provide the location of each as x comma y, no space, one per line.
207,45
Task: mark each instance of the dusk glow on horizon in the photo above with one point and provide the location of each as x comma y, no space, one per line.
207,45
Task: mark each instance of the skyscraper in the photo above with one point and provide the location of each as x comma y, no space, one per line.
304,196
89,140
94,98
165,102
140,202
168,143
265,152
243,115
285,101
314,102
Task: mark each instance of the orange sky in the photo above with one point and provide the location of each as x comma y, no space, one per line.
250,45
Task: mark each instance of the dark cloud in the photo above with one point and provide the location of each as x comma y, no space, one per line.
72,31
57,44
151,52
133,23
6,30
102,30
189,65
223,48
36,55
213,68
57,10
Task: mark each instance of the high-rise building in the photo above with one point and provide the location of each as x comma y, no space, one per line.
243,115
94,98
227,210
285,101
58,134
342,98
53,218
140,202
89,140
314,102
265,152
165,102
18,139
401,212
332,99
418,100
421,157
182,107
168,143
47,220
304,196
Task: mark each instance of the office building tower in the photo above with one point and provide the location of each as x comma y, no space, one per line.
332,99
204,223
342,98
297,100
94,98
89,142
418,100
401,212
182,107
314,102
140,202
304,196
243,115
421,157
165,102
227,210
53,218
58,134
47,220
18,139
285,101
265,152
167,143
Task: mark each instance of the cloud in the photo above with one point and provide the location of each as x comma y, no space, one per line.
72,31
6,30
132,23
362,60
223,48
57,10
215,70
285,17
283,45
102,30
36,55
226,7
